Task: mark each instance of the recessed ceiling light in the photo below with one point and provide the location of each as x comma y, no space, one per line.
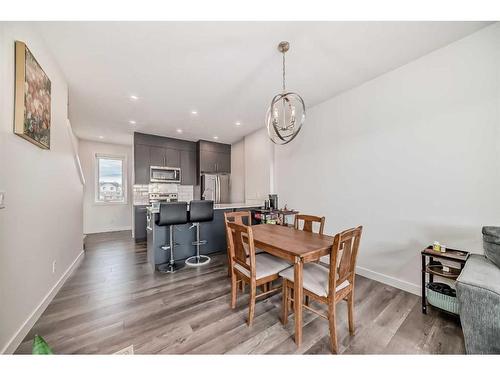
179,131
134,97
215,137
237,123
194,112
132,122
101,137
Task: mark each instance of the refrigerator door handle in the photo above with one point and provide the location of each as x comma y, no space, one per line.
218,189
218,181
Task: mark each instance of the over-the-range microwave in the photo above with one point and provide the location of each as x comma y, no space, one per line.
165,174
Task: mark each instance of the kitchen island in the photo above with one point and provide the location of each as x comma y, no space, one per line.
213,232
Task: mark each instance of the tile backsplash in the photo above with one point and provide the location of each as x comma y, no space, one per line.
140,195
185,193
164,188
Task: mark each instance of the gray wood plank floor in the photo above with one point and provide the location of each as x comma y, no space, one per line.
113,301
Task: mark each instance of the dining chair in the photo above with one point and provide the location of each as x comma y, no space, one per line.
308,221
254,269
329,285
239,217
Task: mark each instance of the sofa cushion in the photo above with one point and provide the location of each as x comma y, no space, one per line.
478,291
491,244
481,273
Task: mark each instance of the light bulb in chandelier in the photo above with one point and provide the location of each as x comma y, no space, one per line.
287,112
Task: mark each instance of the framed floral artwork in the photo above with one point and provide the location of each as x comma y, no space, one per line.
32,99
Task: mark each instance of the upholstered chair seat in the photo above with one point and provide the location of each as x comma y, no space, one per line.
265,265
315,278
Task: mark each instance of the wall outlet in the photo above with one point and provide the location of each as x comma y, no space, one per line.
2,199
54,266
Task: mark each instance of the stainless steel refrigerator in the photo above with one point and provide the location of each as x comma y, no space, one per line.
215,187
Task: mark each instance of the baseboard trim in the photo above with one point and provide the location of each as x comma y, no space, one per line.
118,229
389,280
14,342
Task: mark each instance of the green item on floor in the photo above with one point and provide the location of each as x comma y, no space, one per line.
40,346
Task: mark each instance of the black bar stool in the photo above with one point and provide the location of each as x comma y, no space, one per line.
199,211
171,214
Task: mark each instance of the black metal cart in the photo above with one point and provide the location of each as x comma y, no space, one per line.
434,267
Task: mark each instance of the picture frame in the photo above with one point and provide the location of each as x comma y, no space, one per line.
32,113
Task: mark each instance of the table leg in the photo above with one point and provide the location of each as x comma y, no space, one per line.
297,297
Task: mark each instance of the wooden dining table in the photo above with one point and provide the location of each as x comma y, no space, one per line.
297,247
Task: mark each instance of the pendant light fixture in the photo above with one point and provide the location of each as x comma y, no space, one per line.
287,112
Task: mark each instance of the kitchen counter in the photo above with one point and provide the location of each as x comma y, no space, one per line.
227,206
220,206
212,231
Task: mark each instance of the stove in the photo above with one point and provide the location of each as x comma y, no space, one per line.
162,197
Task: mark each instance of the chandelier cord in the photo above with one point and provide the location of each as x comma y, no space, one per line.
284,73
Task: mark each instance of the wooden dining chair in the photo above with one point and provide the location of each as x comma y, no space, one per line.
308,221
238,217
253,269
308,224
329,285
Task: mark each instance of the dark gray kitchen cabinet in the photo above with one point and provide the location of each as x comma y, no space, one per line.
172,158
214,157
164,157
140,222
223,162
208,161
188,167
156,156
141,164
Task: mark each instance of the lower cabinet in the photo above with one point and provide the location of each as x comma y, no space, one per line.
214,232
140,223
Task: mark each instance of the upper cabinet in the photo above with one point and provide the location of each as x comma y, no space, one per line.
152,150
193,158
164,157
157,156
188,167
141,164
214,157
172,157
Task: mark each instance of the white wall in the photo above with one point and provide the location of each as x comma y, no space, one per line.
413,156
98,218
259,167
42,220
237,190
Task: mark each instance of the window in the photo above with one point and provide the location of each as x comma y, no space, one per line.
110,179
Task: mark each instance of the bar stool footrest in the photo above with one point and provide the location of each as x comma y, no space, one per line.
197,260
201,242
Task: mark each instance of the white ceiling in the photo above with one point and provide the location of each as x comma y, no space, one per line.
227,71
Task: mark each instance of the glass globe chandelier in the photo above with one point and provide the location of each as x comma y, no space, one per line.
287,112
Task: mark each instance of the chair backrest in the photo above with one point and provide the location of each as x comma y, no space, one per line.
201,210
241,246
308,221
343,257
238,216
172,213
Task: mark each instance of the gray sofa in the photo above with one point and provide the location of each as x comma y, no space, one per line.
478,291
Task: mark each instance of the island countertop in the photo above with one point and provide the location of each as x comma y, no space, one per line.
227,206
219,206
